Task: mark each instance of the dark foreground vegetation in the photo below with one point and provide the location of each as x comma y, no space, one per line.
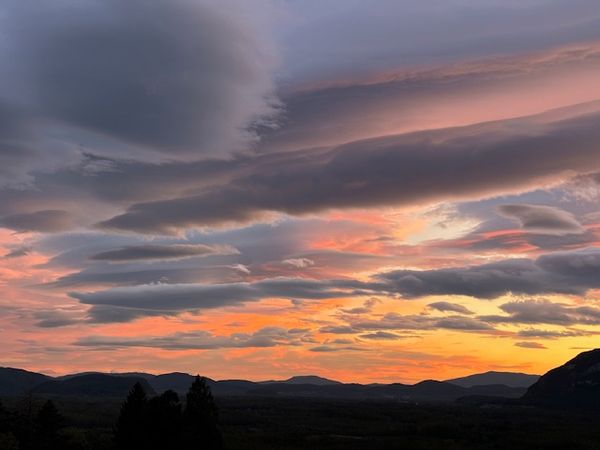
141,423
561,410
299,423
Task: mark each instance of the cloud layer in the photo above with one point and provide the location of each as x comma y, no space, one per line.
471,162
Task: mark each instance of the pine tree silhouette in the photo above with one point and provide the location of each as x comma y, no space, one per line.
164,422
200,418
130,431
47,425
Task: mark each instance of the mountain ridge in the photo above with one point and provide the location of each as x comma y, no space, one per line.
575,384
118,384
512,379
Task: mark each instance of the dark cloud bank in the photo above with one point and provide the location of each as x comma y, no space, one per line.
470,162
559,273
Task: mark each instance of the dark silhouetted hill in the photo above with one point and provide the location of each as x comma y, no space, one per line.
92,385
511,379
15,382
575,384
310,379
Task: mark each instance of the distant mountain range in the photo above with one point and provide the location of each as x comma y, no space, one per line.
576,384
14,382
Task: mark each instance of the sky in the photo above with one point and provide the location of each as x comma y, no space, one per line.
370,191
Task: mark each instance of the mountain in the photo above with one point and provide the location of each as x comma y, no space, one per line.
92,385
14,382
511,379
575,384
310,379
95,384
176,381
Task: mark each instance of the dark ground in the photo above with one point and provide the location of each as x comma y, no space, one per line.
289,423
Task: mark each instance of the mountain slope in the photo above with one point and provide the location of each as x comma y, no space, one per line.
511,379
92,385
15,382
310,379
576,384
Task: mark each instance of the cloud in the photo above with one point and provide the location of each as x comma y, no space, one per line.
546,312
449,307
299,263
56,318
554,273
137,275
338,329
542,219
177,77
160,252
203,340
332,39
48,221
127,303
331,348
566,273
415,168
551,334
395,321
380,335
365,309
409,99
17,252
532,345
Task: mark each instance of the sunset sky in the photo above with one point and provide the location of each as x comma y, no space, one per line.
370,191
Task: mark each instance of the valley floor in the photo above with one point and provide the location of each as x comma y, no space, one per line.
292,423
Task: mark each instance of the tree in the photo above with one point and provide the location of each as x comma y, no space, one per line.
4,419
47,425
164,421
130,430
200,418
8,441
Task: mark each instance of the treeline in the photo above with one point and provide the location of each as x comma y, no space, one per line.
161,422
27,430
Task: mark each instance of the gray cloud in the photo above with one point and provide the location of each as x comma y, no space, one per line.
338,329
332,348
176,76
59,317
398,170
395,321
532,345
554,273
412,99
18,252
566,273
344,39
542,219
203,340
449,307
365,309
126,303
546,312
158,252
551,334
49,221
380,335
136,275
